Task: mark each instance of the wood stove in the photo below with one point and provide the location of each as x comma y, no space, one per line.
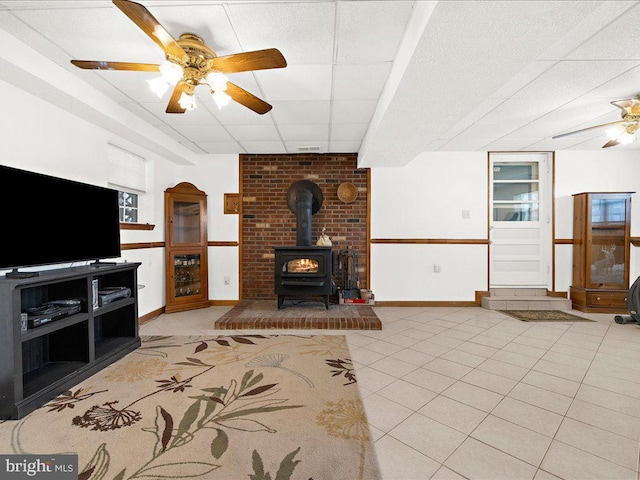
302,271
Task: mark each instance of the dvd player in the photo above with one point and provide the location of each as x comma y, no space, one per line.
51,311
111,294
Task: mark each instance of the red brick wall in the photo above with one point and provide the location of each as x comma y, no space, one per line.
267,221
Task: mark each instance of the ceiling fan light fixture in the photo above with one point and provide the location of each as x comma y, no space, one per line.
188,102
221,98
623,135
217,81
171,72
614,132
158,86
626,138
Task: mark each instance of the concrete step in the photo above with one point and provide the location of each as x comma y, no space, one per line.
524,299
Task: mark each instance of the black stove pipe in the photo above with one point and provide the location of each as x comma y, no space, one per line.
304,199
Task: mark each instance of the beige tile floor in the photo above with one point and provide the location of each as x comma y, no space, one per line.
454,393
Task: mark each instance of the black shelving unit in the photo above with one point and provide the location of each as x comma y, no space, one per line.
38,364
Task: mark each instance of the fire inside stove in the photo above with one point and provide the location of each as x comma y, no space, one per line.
301,265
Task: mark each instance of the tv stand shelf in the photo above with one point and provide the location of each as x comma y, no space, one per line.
40,363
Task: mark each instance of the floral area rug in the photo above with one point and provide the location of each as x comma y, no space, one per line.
225,407
299,315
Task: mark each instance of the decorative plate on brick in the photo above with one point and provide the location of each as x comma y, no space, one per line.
347,192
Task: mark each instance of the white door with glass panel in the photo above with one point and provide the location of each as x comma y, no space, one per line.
520,226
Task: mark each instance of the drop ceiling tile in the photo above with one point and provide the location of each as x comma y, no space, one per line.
594,16
344,146
193,147
490,131
348,131
571,79
198,116
619,39
480,112
302,31
370,32
296,82
359,82
626,85
529,72
254,132
264,147
94,33
143,113
522,110
204,133
301,112
221,147
569,117
352,111
304,132
170,131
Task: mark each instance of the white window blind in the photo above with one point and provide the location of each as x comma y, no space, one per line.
126,170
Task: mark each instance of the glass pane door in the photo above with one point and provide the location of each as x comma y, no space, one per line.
608,223
187,275
186,222
516,192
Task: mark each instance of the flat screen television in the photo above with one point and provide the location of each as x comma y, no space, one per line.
49,220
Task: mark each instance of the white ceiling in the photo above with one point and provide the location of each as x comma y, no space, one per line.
387,79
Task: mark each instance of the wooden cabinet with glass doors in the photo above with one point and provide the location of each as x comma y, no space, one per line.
186,248
601,244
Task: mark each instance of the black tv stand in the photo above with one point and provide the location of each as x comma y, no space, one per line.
16,274
41,362
99,263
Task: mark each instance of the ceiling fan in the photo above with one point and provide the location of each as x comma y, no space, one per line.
622,131
189,63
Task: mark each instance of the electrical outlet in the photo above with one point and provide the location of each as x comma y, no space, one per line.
436,268
227,280
466,214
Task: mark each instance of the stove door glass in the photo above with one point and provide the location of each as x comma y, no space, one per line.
301,265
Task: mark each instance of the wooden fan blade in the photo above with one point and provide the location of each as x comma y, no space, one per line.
149,25
629,105
101,65
247,99
174,105
610,143
243,62
588,128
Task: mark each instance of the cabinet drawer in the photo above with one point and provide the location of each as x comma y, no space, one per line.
607,299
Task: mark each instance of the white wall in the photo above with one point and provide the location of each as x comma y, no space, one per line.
217,175
425,200
40,137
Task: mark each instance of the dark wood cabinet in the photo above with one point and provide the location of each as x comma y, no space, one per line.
601,244
37,364
186,248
